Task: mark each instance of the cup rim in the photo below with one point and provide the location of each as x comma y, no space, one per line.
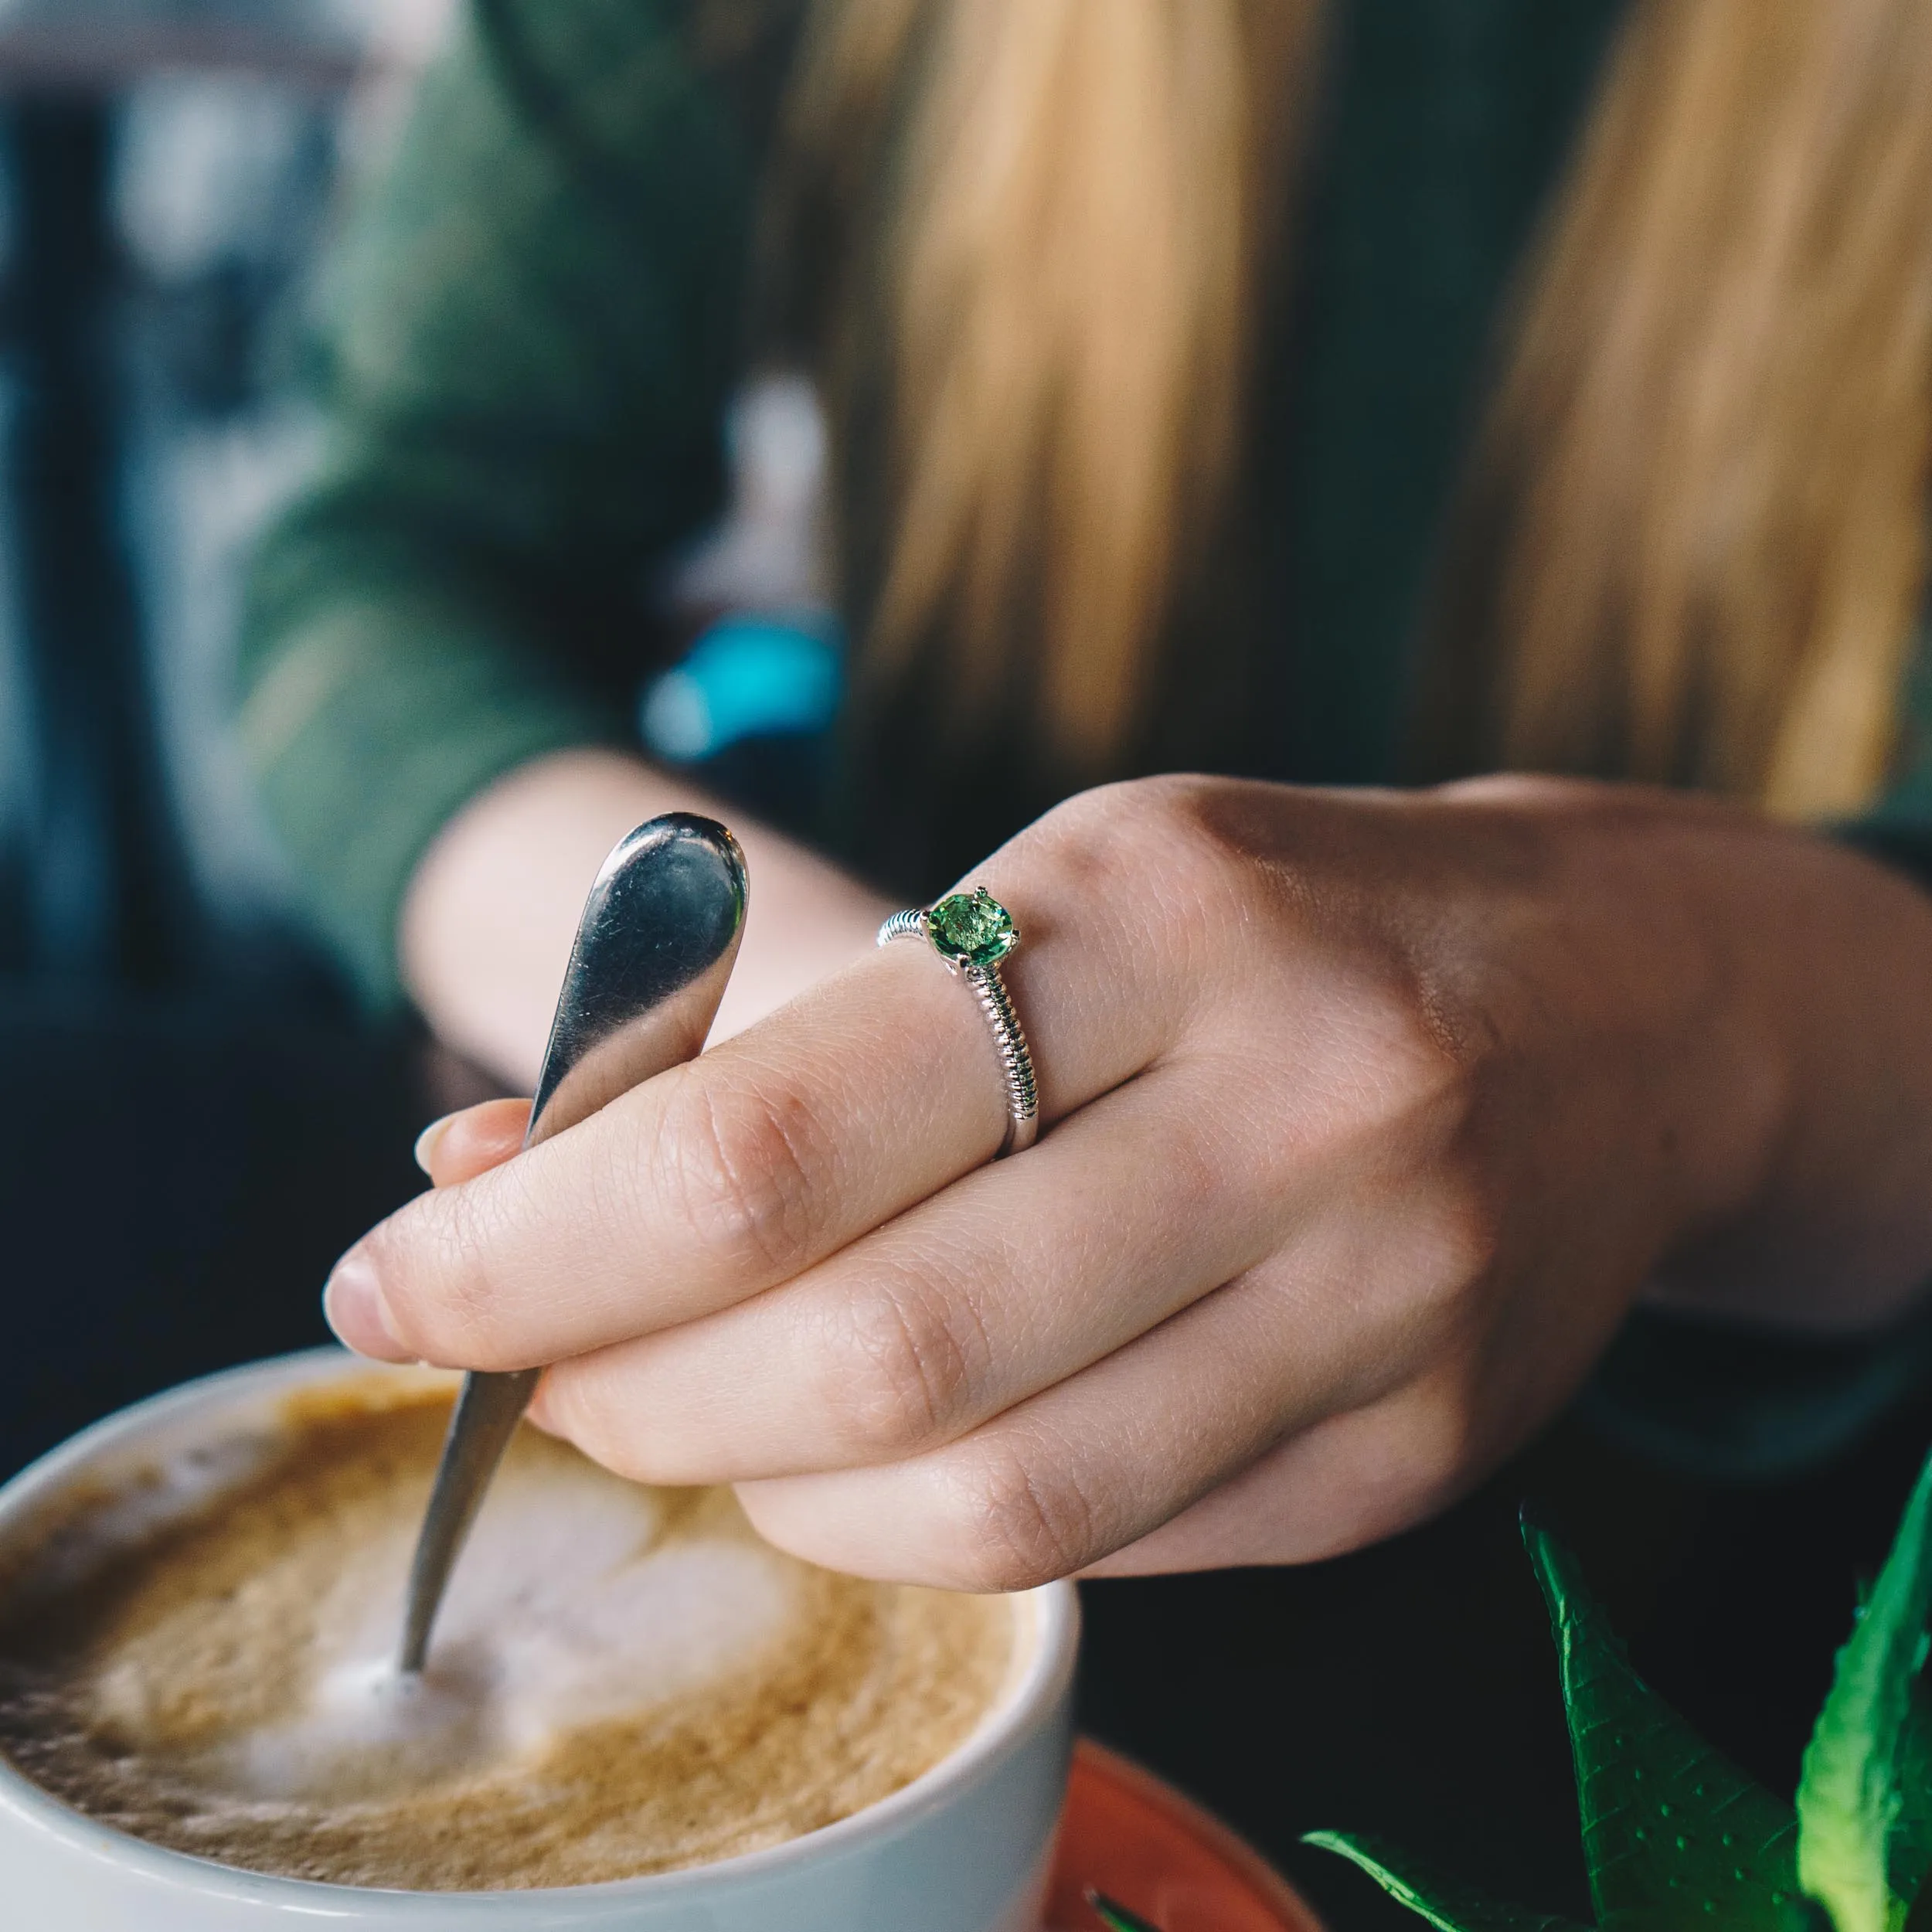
1040,1686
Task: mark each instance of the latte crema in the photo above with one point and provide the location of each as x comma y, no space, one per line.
623,1680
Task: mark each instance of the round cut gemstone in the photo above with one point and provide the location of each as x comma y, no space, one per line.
973,928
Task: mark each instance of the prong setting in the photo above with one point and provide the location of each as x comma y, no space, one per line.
972,933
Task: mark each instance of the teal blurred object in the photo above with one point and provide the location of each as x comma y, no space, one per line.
762,676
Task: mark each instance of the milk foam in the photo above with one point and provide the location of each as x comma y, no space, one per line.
622,1680
563,1611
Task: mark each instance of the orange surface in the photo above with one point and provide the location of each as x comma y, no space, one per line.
1127,1834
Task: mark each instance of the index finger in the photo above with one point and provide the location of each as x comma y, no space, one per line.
771,1152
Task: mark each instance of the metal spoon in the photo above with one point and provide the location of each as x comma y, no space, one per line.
659,935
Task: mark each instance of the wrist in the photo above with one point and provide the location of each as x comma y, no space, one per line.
1781,983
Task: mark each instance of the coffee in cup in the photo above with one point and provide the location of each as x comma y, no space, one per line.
624,1680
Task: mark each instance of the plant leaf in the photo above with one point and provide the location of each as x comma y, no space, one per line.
1449,1906
1909,1850
1675,1836
1848,1795
1118,1917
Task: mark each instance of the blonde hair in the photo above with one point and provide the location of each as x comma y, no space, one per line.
1691,547
1690,544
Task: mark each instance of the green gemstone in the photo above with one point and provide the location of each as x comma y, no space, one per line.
974,929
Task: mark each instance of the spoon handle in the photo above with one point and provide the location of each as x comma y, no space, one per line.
656,944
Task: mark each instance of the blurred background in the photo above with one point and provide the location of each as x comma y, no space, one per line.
195,1121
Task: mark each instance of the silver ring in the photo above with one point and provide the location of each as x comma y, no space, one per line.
972,932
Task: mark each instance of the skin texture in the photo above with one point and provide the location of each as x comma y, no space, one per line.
1367,1117
493,906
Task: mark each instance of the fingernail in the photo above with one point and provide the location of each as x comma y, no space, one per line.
430,1140
352,1303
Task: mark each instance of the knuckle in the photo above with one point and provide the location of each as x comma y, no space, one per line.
1468,1227
1377,1070
1421,1063
1439,1437
1134,866
1019,1525
1446,1272
1450,1043
909,1360
741,1163
1125,836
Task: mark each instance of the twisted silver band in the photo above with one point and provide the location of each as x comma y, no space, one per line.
905,925
1009,1037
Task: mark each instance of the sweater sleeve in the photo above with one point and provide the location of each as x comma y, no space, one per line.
1735,1403
526,338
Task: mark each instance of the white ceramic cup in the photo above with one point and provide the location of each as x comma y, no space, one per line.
965,1847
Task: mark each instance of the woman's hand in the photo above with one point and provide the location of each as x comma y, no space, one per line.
1367,1116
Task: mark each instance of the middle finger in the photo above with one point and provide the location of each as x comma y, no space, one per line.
1013,1279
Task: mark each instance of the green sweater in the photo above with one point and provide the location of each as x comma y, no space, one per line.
530,334
533,324
535,320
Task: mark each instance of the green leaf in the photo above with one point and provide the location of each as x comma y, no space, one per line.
1849,1796
1909,1850
1446,1905
1118,1917
1675,1836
